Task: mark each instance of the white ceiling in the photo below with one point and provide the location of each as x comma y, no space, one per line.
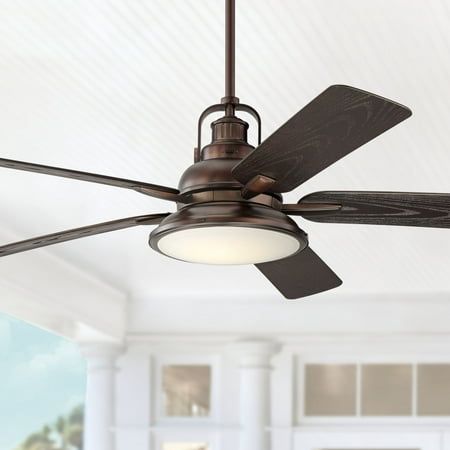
116,87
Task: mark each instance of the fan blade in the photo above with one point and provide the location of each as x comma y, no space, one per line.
152,190
380,208
300,275
335,123
76,233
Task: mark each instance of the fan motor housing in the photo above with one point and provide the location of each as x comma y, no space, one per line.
213,171
210,179
212,196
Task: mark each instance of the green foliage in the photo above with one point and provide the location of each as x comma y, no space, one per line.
65,434
76,417
75,436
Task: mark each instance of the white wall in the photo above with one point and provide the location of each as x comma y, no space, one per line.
140,425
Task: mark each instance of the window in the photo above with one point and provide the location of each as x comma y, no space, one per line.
386,389
433,396
185,446
330,389
371,390
186,391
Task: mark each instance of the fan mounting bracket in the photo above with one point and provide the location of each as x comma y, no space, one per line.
257,185
223,107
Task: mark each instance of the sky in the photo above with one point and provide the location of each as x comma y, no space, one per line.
41,377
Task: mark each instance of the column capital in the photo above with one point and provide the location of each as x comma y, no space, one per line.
100,349
254,352
100,355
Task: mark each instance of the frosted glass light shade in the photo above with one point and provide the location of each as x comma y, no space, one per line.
228,245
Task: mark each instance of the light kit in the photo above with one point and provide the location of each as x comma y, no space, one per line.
230,208
228,233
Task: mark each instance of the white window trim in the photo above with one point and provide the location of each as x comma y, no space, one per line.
358,419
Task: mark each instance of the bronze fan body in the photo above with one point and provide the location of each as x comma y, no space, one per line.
234,186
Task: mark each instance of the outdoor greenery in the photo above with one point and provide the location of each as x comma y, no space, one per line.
65,434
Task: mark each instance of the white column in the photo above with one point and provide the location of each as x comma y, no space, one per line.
254,366
99,406
283,401
134,399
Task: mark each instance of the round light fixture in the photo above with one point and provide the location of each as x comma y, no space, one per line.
228,245
228,233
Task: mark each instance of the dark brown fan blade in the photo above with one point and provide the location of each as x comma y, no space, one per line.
77,233
335,123
300,275
379,208
152,190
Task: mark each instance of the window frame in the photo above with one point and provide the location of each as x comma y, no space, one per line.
358,359
205,360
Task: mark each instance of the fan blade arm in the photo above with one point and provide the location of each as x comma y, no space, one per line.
417,209
77,233
299,209
300,275
337,122
152,190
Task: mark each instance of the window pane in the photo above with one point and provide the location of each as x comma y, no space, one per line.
433,396
386,390
185,446
186,390
330,390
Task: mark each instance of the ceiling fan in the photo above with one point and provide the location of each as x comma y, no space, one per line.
229,204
